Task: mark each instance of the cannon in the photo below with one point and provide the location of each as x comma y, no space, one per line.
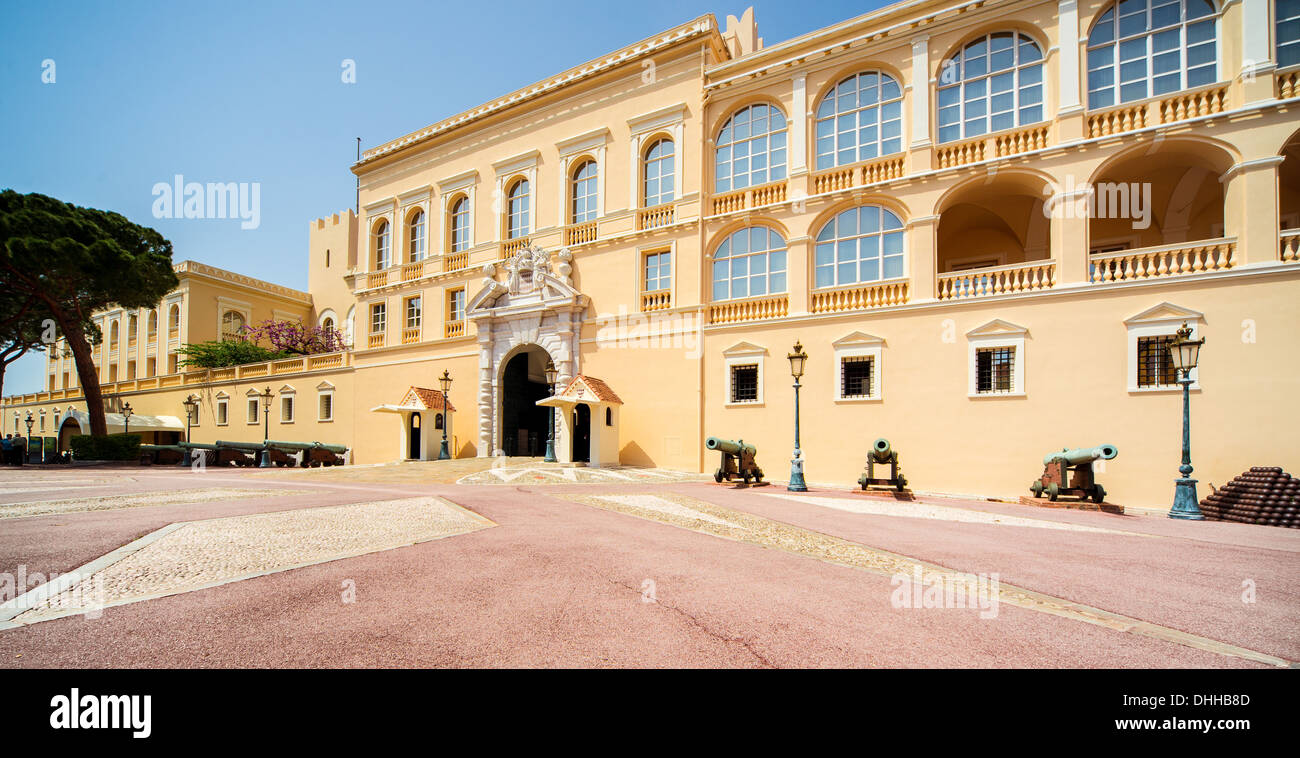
882,453
737,460
219,454
160,454
314,454
278,456
1069,473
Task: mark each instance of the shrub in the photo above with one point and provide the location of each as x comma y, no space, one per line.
110,447
222,353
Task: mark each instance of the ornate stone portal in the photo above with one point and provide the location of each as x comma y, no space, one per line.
536,305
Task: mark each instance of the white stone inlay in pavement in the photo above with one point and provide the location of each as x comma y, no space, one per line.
662,505
137,500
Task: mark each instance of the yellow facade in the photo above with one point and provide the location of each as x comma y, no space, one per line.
980,268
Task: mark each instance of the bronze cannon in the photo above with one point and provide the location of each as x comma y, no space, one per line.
737,460
1069,473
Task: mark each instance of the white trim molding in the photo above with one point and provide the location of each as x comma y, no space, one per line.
994,334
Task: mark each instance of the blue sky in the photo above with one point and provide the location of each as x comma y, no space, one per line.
252,92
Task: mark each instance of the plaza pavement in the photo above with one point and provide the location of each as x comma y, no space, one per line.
633,568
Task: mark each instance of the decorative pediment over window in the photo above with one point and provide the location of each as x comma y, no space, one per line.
998,328
1164,312
530,279
858,339
745,348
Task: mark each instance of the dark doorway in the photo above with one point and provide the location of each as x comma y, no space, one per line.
582,433
523,423
414,437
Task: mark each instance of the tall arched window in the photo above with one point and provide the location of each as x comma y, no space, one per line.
381,245
583,193
1156,46
174,317
517,212
751,149
153,323
1288,32
415,237
114,334
659,173
749,262
991,84
328,324
859,119
862,244
232,325
459,225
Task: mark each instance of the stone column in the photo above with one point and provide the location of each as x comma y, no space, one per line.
798,266
486,399
798,146
1257,62
1254,224
921,143
923,252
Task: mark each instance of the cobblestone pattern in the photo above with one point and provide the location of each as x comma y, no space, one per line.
114,502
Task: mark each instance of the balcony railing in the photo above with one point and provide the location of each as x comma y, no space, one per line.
1289,245
375,340
997,280
376,279
455,261
877,295
454,328
657,300
580,234
412,271
753,309
1288,84
1163,261
512,246
410,335
655,217
752,197
1133,116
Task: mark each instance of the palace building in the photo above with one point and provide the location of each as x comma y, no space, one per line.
982,220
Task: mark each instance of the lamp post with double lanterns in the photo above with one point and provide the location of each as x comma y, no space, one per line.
551,375
797,360
445,382
127,413
266,426
1184,353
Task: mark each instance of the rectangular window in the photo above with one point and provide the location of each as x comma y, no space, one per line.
286,409
856,376
378,318
413,310
994,369
456,305
658,271
1155,368
253,409
744,383
223,412
193,414
326,410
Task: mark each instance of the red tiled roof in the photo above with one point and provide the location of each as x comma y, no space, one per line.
598,388
432,399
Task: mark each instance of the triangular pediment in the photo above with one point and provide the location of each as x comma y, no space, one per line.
997,328
745,348
589,388
1163,312
858,339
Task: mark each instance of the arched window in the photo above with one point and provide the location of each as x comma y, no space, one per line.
859,119
517,212
749,262
862,244
1288,33
659,173
232,325
459,225
132,326
1156,46
381,245
174,317
153,323
991,84
583,198
114,334
415,237
347,326
328,324
751,149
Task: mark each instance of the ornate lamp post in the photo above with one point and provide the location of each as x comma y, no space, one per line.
445,381
266,426
126,418
27,451
797,360
551,375
191,404
1185,352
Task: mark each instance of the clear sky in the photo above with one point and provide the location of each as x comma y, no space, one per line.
253,92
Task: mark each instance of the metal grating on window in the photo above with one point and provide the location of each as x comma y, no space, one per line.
994,369
1155,369
744,383
855,376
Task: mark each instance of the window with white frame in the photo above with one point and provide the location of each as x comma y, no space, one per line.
857,377
192,414
517,210
415,236
378,318
286,408
459,225
749,262
1288,32
254,410
414,310
232,325
995,369
456,305
859,119
993,83
325,403
582,200
1150,334
857,367
744,383
751,148
1146,48
658,271
223,411
743,380
863,244
997,360
659,172
382,242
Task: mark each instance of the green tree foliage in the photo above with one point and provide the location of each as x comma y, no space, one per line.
76,261
222,353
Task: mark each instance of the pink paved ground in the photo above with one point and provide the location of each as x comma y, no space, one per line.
557,583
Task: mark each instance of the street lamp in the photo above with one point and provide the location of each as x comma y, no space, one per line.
551,375
27,450
266,426
797,360
126,418
191,404
445,381
1185,352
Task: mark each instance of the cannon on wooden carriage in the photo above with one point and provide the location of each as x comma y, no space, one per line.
882,454
1069,473
162,454
737,460
213,455
314,454
279,456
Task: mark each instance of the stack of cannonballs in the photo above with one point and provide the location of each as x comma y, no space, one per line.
1264,495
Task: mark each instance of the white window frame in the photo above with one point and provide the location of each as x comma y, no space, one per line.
325,389
223,408
1161,321
253,403
996,334
858,345
669,121
744,354
293,407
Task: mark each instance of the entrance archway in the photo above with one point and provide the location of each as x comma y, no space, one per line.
524,425
67,429
414,436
